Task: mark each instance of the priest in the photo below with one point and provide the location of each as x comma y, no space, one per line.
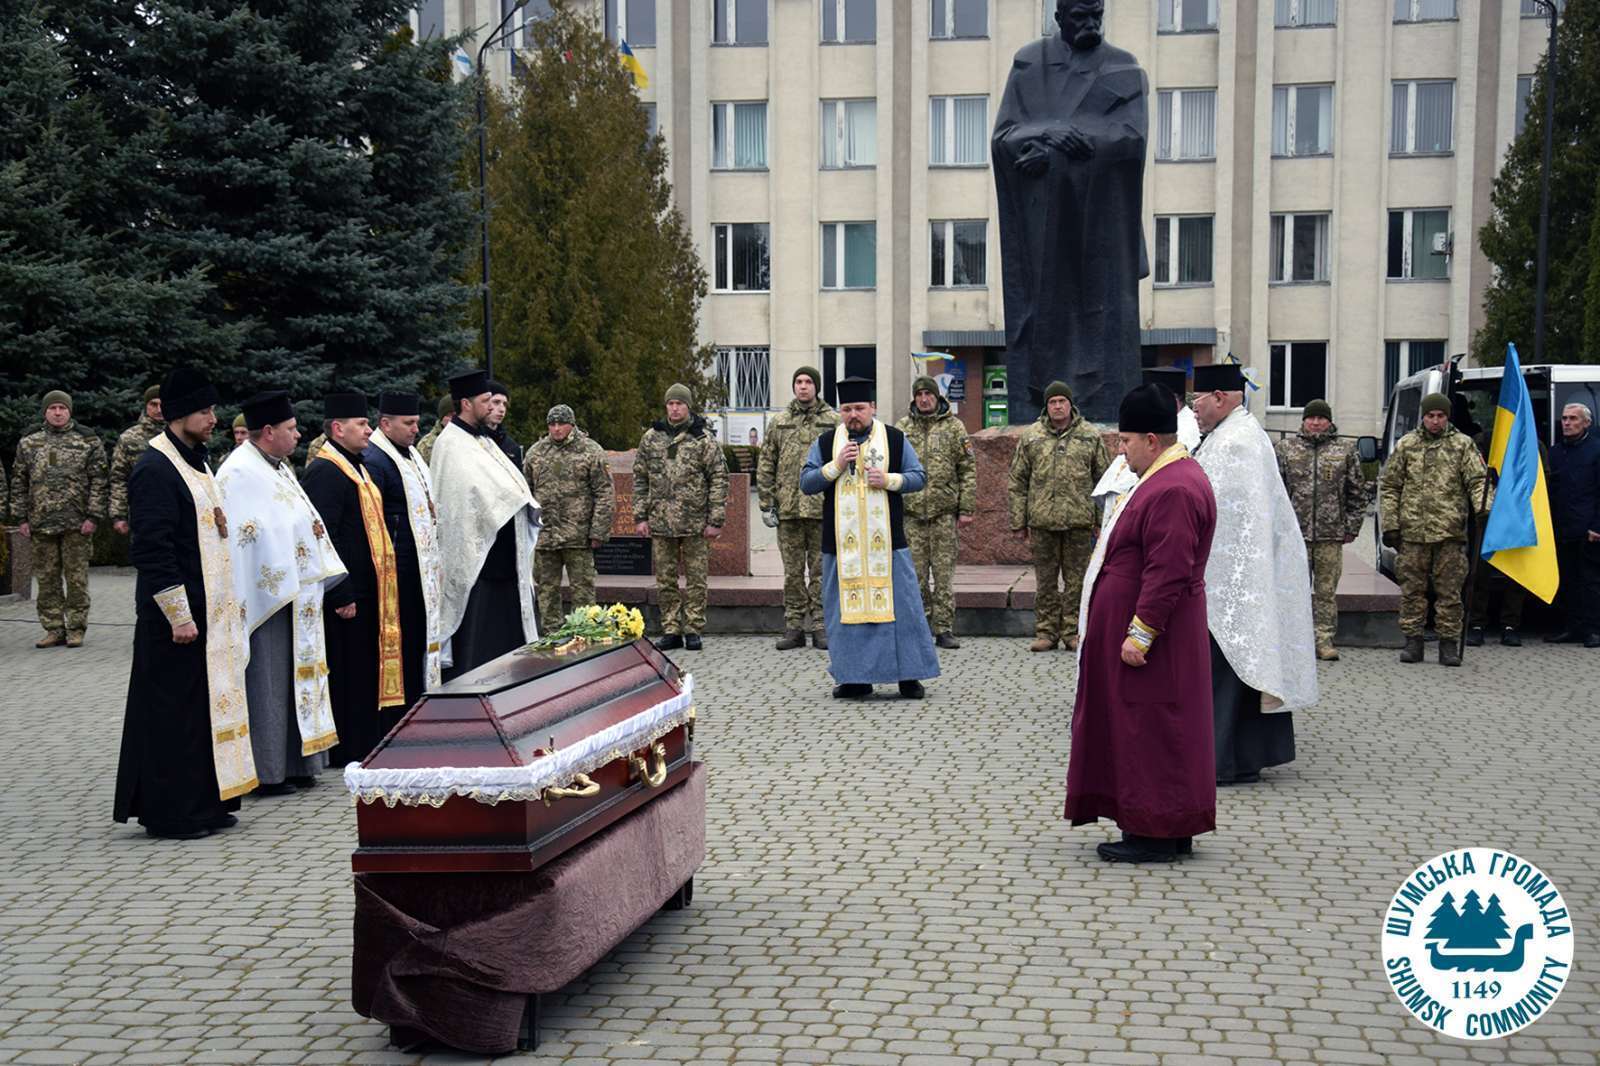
1119,478
361,614
186,755
1141,725
408,511
488,526
283,566
871,600
1258,587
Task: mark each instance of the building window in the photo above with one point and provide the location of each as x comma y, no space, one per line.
1291,13
743,256
1410,355
962,18
1419,244
1186,124
958,131
1532,10
1424,10
427,20
633,21
959,253
1299,374
1186,16
739,136
747,375
737,21
849,255
849,134
1183,250
652,122
1424,118
516,32
849,21
1302,120
1524,93
1299,248
839,362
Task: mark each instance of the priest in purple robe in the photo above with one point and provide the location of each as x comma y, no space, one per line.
1141,727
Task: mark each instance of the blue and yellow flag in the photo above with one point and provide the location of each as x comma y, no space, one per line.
1518,539
641,80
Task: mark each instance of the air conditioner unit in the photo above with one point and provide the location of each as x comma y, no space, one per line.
1442,243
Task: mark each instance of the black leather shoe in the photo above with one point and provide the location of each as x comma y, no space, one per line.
282,788
227,821
851,692
1592,640
1566,636
691,642
911,690
1185,845
303,781
947,640
1139,849
1475,637
1252,778
1511,638
669,642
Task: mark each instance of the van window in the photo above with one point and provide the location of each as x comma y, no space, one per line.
1407,411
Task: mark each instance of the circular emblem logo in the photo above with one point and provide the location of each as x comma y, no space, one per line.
1477,943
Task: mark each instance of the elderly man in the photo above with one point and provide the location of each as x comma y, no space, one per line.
1575,513
871,604
798,517
949,501
58,493
129,447
568,473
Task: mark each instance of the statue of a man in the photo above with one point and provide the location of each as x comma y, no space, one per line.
1069,143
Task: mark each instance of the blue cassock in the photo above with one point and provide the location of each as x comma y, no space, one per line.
875,653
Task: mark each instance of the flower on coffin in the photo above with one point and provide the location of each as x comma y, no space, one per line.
592,624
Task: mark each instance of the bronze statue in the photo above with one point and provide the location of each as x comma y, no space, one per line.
1069,144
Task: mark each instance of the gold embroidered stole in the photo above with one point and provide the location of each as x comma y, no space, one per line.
391,676
225,639
863,539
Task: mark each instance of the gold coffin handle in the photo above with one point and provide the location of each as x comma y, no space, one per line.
582,785
641,766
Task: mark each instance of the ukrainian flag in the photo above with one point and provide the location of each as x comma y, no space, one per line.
1518,539
641,80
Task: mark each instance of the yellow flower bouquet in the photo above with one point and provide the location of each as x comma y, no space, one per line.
591,625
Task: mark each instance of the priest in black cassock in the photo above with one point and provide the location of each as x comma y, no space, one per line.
186,755
362,613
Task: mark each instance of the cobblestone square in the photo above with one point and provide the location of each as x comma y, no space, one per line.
888,882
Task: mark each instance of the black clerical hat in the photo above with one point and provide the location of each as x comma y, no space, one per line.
186,391
1219,377
856,390
468,384
1173,377
1149,409
267,409
399,403
344,405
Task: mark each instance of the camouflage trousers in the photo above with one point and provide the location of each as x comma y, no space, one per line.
547,566
681,612
1442,564
800,546
1060,556
1327,563
62,558
933,554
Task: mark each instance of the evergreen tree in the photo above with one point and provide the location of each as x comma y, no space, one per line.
1444,921
1510,237
1469,930
596,284
1494,923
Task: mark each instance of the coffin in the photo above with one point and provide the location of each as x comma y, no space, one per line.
514,763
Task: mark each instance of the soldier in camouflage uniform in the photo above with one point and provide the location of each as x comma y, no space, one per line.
1058,461
58,491
949,500
312,449
447,411
571,479
797,516
129,447
1431,482
680,499
1329,494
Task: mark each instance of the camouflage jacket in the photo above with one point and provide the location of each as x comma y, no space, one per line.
60,479
572,482
129,447
312,450
1052,474
425,445
789,439
1427,485
680,479
1323,476
941,442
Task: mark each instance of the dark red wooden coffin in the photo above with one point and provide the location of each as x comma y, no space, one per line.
510,712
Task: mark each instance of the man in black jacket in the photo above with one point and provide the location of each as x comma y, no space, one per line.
1575,513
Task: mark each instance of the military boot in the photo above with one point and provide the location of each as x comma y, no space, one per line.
791,639
51,640
1042,644
947,640
74,640
819,639
1449,652
1412,652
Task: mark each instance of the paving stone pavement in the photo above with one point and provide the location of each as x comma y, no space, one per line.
887,882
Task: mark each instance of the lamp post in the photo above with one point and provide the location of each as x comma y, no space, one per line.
1542,263
483,178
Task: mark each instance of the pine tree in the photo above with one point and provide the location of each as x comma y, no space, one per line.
1444,921
1469,930
1510,238
595,281
1494,923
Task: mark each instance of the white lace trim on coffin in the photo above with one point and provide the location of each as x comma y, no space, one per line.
498,784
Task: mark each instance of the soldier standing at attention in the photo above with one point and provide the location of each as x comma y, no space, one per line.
1057,463
568,474
680,498
57,492
948,501
1432,480
129,447
1323,477
798,517
446,413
